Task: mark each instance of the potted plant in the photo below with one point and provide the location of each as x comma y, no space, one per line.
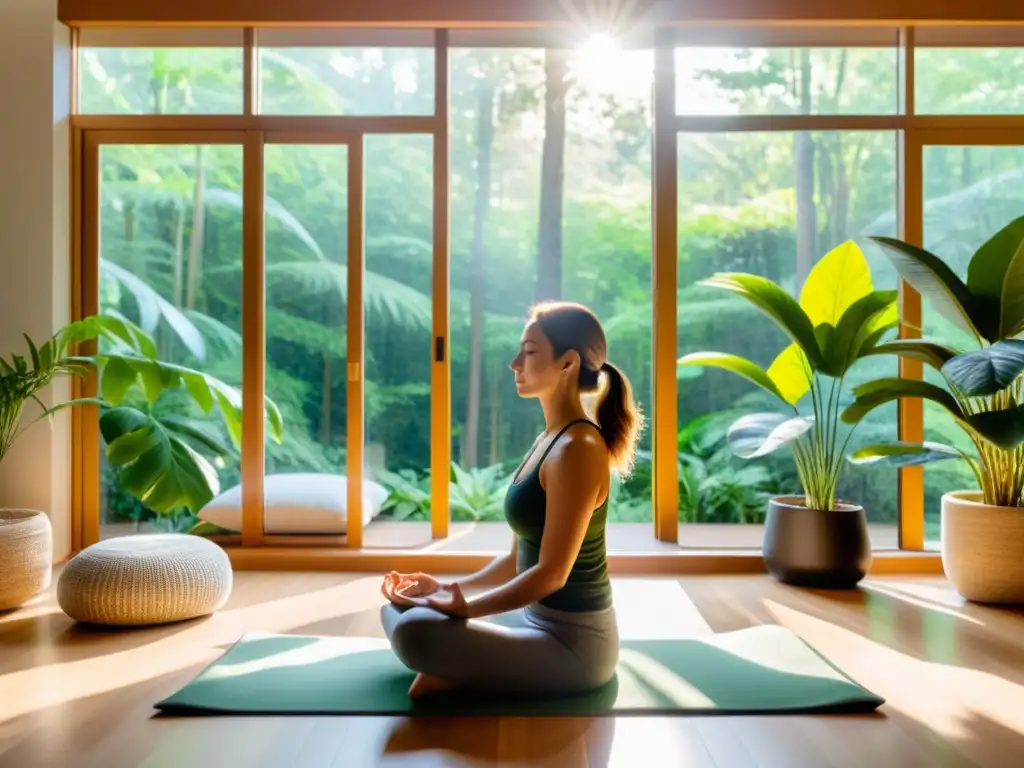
163,459
813,539
982,531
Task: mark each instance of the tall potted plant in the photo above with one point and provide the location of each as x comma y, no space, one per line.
164,460
813,539
982,531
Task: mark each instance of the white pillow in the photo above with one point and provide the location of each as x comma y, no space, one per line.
296,503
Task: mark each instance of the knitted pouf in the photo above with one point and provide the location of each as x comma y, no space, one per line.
26,555
147,579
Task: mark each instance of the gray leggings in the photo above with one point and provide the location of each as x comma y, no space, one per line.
530,652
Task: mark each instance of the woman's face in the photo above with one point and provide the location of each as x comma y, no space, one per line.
536,369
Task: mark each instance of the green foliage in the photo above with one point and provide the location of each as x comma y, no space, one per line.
161,459
22,380
713,488
839,320
981,389
475,494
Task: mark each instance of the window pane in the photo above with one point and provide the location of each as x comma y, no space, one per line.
593,231
970,194
306,257
160,81
346,81
171,262
752,202
786,81
969,81
399,350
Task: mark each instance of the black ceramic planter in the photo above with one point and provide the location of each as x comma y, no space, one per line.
808,548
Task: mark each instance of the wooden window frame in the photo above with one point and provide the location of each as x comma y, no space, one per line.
253,131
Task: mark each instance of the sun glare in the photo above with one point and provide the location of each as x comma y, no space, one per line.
598,62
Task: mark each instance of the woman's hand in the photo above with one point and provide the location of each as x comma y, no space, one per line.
450,600
404,588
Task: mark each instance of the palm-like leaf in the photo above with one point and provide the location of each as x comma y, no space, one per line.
777,305
934,354
735,364
988,370
933,279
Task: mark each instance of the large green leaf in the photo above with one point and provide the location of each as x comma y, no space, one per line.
904,454
839,279
986,274
155,464
791,374
934,354
1004,429
987,370
1011,303
881,391
776,304
872,314
933,279
759,434
735,364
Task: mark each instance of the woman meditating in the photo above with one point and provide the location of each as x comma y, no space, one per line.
543,623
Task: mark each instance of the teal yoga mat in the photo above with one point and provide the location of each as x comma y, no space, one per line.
765,669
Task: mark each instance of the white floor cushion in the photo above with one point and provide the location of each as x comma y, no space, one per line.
297,503
146,579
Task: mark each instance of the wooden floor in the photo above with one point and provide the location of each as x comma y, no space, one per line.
952,675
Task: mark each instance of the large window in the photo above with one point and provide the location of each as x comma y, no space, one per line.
787,142
747,204
550,199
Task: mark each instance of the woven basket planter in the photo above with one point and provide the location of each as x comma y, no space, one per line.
983,548
26,555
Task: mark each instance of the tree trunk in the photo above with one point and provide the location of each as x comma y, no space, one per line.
477,268
806,223
195,256
552,179
324,437
495,423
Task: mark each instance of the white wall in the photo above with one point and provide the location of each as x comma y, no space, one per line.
34,229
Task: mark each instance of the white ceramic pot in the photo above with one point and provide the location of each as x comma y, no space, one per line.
26,555
983,548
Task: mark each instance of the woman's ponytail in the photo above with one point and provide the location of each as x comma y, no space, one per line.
620,419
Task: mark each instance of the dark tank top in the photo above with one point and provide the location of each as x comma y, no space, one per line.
588,587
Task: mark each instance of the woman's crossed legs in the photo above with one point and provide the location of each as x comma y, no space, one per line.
519,653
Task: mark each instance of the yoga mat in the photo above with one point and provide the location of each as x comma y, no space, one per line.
765,669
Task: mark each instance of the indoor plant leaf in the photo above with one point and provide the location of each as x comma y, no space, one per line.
904,454
934,354
872,314
791,373
987,370
154,464
776,304
1004,429
839,279
758,434
933,278
996,275
738,365
881,391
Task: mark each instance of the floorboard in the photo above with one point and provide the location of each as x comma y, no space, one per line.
951,673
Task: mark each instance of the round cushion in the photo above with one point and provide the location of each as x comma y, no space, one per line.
148,579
